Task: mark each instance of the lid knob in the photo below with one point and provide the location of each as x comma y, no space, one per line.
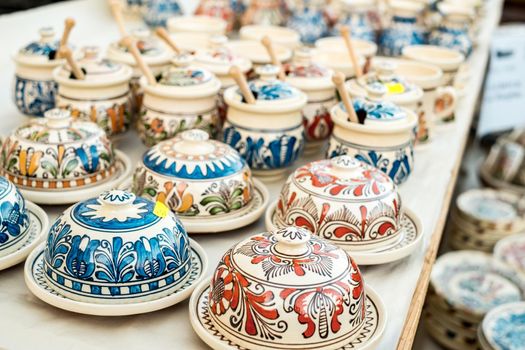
182,60
141,33
57,118
268,72
90,52
386,70
46,34
376,91
195,135
194,142
345,162
116,198
303,56
218,41
292,240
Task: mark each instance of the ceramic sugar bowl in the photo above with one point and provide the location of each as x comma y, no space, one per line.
383,137
58,154
204,181
34,87
103,96
315,81
113,254
182,98
269,134
286,289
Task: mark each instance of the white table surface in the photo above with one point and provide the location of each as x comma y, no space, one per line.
28,323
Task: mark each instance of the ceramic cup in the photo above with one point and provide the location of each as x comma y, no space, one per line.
15,220
286,37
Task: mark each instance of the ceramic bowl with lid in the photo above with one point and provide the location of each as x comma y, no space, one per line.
286,37
268,134
383,137
184,97
367,49
316,82
205,182
199,24
286,289
60,154
115,249
503,327
103,97
34,87
338,61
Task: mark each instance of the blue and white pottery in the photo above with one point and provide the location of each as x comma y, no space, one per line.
503,328
357,15
116,249
34,89
268,134
157,12
404,29
383,137
14,218
309,20
454,29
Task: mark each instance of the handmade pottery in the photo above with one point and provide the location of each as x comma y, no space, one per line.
503,327
309,19
453,31
183,98
158,12
198,179
404,29
282,36
284,273
338,61
268,134
383,138
222,9
199,24
263,12
34,88
59,154
357,16
103,97
257,53
315,81
511,250
155,54
364,48
115,249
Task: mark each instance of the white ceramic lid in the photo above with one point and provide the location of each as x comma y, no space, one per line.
503,328
41,52
447,59
197,24
218,58
256,52
424,75
307,75
336,43
279,35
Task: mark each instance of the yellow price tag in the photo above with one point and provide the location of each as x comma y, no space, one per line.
395,88
161,210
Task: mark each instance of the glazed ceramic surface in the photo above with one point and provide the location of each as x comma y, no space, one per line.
34,88
116,249
367,49
14,225
157,12
201,24
223,9
511,250
279,35
453,32
263,12
269,134
308,18
358,16
338,61
183,98
504,327
257,53
57,153
384,139
287,289
103,97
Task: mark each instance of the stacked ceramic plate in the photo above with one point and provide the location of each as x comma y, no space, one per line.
483,216
503,328
464,286
511,251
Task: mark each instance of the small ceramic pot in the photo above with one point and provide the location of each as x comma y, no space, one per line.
155,54
316,82
283,36
103,97
200,24
257,53
453,31
14,225
183,98
404,29
156,13
34,88
222,9
383,139
357,15
57,153
272,282
309,20
367,49
344,200
269,134
116,249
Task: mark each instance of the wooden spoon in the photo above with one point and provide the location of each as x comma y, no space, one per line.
65,52
267,42
116,9
131,44
347,36
236,74
339,81
69,23
163,34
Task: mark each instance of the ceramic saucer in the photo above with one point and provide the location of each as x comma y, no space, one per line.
411,240
367,338
39,286
64,196
39,223
511,250
503,328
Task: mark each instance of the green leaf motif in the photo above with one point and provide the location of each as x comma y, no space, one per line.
50,167
212,199
70,166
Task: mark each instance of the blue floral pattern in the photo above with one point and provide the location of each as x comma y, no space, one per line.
34,97
309,23
508,332
402,32
272,91
157,12
14,220
453,38
361,25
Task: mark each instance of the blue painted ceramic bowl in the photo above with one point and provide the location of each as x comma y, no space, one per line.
14,220
116,249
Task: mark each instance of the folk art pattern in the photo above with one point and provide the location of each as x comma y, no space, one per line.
34,97
14,220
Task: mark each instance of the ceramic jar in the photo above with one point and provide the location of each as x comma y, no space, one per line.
264,12
269,134
453,31
308,18
103,97
34,89
286,277
404,29
280,35
383,138
316,82
199,24
357,14
157,12
367,49
218,8
116,249
183,98
14,226
57,153
155,54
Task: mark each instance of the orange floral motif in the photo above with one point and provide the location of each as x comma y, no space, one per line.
157,126
175,197
29,161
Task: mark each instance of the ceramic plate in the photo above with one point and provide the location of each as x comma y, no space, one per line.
447,337
491,181
504,327
511,250
411,240
367,338
72,196
38,285
38,226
